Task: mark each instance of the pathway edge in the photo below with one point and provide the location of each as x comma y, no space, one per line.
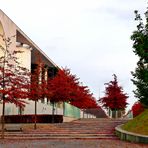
130,136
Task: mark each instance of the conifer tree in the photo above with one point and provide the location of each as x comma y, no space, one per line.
140,46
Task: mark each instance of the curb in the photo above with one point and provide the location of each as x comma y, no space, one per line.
129,136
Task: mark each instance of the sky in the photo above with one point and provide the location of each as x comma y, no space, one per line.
91,37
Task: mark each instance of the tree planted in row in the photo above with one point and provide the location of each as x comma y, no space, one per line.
14,78
115,99
65,87
84,99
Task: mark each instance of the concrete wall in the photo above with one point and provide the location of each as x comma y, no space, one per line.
9,29
42,108
5,26
130,136
71,111
10,109
68,119
24,58
22,43
2,43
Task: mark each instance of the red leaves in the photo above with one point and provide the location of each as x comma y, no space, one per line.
84,99
137,108
37,84
61,87
13,79
14,87
66,87
114,96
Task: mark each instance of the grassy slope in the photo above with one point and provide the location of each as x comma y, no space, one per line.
138,125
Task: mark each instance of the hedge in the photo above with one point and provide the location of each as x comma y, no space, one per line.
42,118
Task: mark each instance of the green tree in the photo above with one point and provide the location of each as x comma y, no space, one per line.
140,46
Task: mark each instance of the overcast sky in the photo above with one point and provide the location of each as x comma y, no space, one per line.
91,37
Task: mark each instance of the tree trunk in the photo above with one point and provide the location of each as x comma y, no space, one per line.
3,119
53,112
63,108
3,97
111,113
116,113
83,113
35,118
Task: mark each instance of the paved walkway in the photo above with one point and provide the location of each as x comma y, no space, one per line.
85,133
80,129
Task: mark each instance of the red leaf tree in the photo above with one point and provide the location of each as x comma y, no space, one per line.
37,84
61,87
84,99
14,78
114,98
137,109
65,87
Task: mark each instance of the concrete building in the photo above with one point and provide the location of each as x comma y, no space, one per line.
20,41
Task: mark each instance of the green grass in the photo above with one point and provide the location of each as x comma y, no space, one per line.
138,125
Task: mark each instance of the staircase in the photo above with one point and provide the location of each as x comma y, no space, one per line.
86,129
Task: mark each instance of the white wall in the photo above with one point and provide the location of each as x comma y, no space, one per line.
9,29
24,58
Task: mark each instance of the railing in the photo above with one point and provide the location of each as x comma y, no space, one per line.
71,111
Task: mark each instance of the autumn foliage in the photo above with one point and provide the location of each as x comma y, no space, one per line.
60,87
137,108
18,84
66,87
14,78
114,97
84,99
37,84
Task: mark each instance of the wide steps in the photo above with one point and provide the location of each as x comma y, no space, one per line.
80,129
59,136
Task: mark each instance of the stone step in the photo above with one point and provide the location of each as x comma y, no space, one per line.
80,129
84,129
73,132
67,132
55,134
61,138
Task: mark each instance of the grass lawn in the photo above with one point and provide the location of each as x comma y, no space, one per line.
139,124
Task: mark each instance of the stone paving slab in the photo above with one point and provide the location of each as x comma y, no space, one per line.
96,133
68,144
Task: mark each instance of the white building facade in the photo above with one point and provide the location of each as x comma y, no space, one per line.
20,41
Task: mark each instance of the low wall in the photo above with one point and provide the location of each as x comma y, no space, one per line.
69,119
31,118
71,111
129,136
